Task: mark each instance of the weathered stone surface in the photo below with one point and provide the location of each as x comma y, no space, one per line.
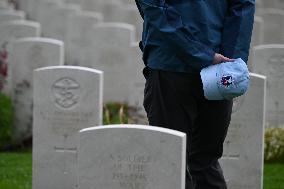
257,37
43,13
79,35
66,100
25,55
18,29
273,26
138,83
60,16
109,52
106,7
129,14
242,160
269,60
131,156
13,30
9,15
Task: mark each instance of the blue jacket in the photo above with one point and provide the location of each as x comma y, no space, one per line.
184,35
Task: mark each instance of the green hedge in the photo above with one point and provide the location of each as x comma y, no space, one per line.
115,113
6,120
274,145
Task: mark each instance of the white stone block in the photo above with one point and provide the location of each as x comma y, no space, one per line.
25,55
131,156
66,100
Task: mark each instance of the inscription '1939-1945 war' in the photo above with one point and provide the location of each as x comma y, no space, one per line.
131,171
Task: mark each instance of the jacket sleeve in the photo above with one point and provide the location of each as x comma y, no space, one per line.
167,21
237,31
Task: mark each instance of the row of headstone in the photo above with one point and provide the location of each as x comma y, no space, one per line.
109,47
109,156
91,52
81,49
126,11
60,92
128,156
22,86
13,26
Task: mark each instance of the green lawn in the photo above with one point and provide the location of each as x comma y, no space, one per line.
16,172
274,176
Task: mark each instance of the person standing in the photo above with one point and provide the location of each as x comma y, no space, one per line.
180,38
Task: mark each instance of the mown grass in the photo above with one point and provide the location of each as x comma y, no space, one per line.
16,172
274,176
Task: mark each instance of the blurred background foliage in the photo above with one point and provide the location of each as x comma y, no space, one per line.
6,120
274,145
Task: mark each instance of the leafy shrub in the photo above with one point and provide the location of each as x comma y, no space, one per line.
6,120
115,113
274,145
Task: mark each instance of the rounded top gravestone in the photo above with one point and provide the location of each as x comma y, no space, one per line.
25,55
242,159
111,45
18,29
66,100
131,156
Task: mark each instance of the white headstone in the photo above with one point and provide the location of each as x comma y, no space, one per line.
103,6
110,53
127,2
273,27
108,9
257,37
279,4
4,5
125,156
80,34
269,60
25,55
44,13
33,8
74,2
138,84
18,29
13,30
242,160
9,15
270,4
129,14
23,5
60,16
66,100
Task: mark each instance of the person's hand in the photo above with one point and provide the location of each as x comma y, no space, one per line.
218,58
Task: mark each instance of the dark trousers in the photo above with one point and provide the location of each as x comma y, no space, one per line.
176,101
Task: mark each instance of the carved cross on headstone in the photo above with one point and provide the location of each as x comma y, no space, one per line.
66,151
